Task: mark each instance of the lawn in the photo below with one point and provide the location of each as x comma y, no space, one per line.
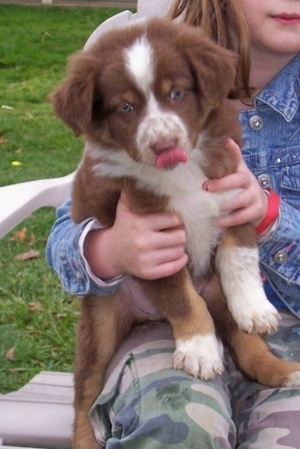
37,320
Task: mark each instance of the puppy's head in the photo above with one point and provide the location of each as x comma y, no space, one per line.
145,88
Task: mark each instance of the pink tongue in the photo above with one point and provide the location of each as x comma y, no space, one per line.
171,157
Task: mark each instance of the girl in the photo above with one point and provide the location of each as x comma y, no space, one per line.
145,403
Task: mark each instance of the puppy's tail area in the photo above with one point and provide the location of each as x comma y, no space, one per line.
251,351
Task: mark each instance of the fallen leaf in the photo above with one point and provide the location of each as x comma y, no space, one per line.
4,106
16,163
31,254
31,238
37,362
10,354
3,140
20,235
34,306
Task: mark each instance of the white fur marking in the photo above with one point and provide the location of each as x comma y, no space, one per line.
201,356
139,63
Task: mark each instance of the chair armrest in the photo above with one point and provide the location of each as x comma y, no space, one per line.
17,201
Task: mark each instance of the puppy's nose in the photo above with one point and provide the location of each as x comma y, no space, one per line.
163,145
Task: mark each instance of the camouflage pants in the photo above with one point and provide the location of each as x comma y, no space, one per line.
147,405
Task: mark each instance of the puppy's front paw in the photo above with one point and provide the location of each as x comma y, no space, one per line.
257,316
201,356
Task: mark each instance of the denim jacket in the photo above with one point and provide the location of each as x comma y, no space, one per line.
272,151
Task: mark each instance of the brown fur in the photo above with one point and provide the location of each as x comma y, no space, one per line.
87,102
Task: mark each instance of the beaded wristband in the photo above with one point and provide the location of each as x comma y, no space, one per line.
272,212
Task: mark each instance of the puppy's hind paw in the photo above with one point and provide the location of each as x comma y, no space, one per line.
292,380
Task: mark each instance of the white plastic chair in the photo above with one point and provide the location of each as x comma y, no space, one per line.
40,414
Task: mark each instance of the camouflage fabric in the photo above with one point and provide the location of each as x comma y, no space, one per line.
269,417
146,404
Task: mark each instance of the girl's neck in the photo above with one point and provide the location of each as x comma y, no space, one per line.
264,67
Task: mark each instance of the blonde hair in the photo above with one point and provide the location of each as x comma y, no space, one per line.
224,22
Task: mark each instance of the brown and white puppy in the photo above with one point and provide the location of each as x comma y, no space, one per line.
150,101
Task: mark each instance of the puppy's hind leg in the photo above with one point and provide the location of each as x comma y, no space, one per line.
100,329
251,351
256,359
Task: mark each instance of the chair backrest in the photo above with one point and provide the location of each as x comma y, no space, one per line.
17,201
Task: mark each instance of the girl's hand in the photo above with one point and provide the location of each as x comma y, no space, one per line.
250,205
146,246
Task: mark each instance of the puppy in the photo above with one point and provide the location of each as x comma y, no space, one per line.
150,101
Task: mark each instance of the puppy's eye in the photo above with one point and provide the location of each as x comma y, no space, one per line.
126,107
176,95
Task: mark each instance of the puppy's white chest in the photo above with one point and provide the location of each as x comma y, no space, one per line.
198,210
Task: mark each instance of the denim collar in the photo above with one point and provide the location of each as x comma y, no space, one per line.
282,93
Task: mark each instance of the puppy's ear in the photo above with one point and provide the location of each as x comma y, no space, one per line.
213,66
73,99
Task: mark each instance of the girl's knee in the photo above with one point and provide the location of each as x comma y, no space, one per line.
165,408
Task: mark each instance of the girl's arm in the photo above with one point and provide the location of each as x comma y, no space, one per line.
65,258
89,259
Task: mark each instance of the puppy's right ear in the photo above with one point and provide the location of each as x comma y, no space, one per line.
73,99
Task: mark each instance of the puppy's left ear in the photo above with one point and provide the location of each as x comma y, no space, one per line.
73,99
213,66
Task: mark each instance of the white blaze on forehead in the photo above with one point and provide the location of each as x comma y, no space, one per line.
139,63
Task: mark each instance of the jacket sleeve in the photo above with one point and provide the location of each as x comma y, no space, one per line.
64,257
280,257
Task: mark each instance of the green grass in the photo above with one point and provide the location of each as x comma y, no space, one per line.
35,43
37,320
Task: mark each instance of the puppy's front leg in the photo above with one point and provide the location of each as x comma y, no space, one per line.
102,325
198,351
237,262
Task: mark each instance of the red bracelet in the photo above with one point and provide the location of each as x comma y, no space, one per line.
272,212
